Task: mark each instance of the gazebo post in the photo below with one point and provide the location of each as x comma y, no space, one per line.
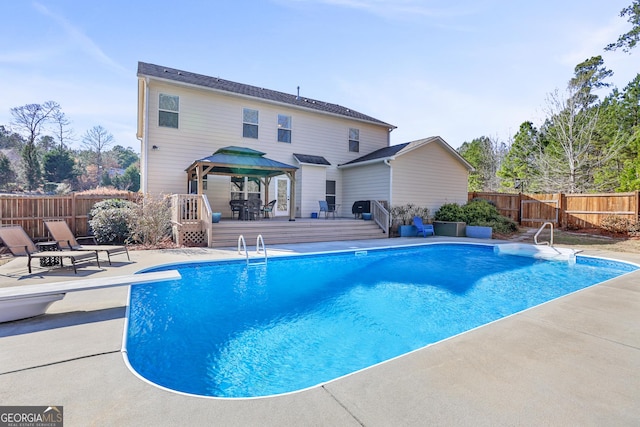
267,183
292,199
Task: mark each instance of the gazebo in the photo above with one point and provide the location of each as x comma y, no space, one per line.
242,162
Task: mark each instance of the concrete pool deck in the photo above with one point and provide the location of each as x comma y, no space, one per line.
572,361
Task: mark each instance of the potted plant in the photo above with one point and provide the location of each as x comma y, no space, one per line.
449,220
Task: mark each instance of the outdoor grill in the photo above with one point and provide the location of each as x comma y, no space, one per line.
360,207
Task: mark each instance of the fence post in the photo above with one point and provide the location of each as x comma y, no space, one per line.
73,213
562,207
520,208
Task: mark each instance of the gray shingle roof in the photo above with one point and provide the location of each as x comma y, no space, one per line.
216,83
379,154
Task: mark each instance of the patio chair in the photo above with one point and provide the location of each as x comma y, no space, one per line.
61,233
254,208
237,206
423,229
327,209
19,244
268,209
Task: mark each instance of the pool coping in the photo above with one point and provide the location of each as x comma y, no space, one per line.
574,360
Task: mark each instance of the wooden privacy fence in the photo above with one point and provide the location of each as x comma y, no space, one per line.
31,211
565,210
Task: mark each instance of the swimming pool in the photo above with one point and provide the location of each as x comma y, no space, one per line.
231,330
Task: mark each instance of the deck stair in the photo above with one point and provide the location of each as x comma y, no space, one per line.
278,231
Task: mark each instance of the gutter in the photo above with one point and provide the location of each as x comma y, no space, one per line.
367,162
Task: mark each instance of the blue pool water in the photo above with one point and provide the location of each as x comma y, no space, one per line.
229,330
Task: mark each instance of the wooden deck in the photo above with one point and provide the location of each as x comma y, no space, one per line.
302,230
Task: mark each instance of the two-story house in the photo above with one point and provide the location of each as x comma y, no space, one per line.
326,151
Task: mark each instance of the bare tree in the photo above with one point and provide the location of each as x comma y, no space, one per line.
64,134
30,119
573,152
96,140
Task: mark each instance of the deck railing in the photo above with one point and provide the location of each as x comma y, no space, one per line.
191,219
380,216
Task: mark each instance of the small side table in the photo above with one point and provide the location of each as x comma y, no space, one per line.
49,247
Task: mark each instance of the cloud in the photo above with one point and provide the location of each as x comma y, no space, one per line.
81,40
27,57
397,8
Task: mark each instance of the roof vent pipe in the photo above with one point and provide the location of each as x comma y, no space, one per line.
298,96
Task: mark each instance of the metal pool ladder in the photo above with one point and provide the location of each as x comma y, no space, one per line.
242,244
535,237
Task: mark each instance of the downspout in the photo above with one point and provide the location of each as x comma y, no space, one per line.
144,141
386,162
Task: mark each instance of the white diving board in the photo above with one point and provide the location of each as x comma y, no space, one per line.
21,302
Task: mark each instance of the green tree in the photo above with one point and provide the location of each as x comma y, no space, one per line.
628,125
485,155
589,76
10,139
46,143
629,40
58,165
518,170
125,156
7,174
30,119
130,180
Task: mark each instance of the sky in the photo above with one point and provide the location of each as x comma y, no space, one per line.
460,70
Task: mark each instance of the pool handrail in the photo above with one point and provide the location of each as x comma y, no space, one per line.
535,237
264,248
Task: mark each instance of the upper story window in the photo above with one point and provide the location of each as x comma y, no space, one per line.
354,140
168,109
249,123
284,128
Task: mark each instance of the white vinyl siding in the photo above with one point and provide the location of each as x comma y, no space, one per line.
368,182
209,121
429,176
310,188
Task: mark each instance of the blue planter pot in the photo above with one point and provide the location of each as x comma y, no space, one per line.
366,216
215,217
408,231
479,232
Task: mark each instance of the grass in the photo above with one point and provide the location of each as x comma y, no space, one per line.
587,239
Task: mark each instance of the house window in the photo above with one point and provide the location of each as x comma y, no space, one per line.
249,123
330,192
284,128
168,109
354,140
244,188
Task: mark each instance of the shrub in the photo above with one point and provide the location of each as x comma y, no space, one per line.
450,212
477,212
405,213
152,223
620,225
111,220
